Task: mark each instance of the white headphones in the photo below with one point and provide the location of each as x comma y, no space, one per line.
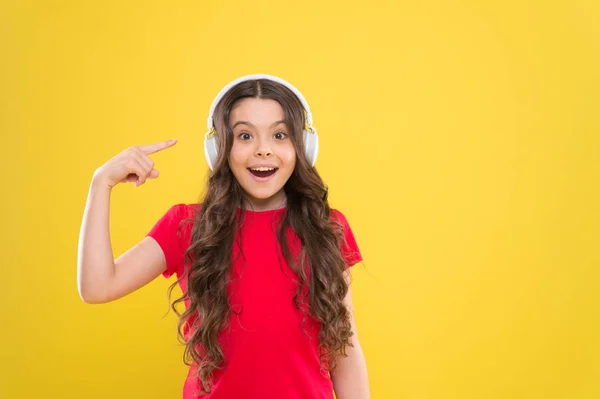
311,139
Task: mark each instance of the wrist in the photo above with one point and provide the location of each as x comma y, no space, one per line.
100,183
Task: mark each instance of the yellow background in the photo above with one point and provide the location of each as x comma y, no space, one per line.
460,138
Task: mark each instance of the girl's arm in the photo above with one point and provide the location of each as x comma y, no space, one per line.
101,279
350,378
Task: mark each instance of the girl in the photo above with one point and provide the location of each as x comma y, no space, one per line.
263,262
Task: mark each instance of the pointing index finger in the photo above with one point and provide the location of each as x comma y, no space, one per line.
152,148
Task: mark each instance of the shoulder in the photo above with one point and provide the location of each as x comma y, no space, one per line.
179,215
183,210
349,247
337,216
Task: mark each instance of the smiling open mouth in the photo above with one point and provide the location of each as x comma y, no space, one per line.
263,172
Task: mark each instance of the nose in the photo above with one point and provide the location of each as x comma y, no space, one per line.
261,153
263,149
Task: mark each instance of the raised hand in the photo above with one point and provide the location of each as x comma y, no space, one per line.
131,165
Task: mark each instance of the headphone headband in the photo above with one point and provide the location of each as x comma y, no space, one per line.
225,89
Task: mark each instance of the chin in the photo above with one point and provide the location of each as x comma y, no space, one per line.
262,195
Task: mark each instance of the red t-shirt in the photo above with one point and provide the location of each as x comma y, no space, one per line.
271,348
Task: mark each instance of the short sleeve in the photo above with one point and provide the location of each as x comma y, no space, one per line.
349,247
168,234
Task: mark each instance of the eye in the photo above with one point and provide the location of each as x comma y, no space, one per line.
245,136
280,135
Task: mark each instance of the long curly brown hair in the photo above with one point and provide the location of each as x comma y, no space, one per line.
319,265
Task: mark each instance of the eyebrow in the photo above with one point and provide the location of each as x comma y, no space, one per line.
251,125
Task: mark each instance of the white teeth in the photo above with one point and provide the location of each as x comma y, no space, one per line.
263,169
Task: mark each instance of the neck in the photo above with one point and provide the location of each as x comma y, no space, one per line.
277,201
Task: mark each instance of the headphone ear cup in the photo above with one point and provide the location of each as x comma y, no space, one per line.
211,152
311,146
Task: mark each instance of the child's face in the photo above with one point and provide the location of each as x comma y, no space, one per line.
261,140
